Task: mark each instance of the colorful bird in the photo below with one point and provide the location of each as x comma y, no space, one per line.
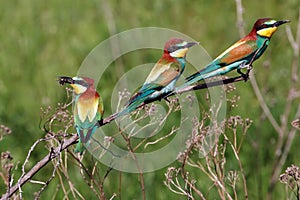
163,76
242,53
87,108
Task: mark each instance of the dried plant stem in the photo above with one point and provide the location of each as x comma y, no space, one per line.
49,180
286,137
281,161
112,29
233,147
221,187
183,90
27,176
240,21
263,105
195,189
129,146
252,77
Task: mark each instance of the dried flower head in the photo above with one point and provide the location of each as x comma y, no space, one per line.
233,177
234,100
293,171
296,123
6,155
125,94
152,109
4,130
291,177
181,156
229,88
170,174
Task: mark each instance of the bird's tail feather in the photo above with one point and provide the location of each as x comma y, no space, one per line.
191,77
134,102
190,80
79,147
207,72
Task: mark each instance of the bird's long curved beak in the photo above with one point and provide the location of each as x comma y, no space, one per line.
280,22
65,79
190,44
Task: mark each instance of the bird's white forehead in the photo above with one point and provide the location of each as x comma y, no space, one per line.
77,78
270,22
182,44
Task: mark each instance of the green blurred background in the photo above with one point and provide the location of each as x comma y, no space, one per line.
42,40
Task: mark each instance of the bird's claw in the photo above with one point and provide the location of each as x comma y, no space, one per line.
166,99
249,67
100,122
244,75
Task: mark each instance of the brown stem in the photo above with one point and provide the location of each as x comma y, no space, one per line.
129,146
53,154
286,136
183,90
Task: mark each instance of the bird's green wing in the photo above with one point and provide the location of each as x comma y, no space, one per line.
240,50
228,60
161,75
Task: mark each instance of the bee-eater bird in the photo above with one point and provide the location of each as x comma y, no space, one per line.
242,53
87,108
163,76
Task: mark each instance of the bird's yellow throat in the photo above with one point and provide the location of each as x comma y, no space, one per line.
267,32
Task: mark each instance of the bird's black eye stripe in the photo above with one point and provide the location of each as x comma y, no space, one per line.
81,82
173,48
262,26
266,26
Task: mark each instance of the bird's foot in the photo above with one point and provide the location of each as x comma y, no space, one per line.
249,67
244,75
244,66
100,122
166,99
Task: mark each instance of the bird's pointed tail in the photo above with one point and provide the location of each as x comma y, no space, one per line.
134,102
190,81
79,147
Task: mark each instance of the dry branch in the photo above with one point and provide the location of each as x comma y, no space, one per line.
56,151
53,154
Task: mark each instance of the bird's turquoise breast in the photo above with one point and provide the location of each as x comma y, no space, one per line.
262,44
182,63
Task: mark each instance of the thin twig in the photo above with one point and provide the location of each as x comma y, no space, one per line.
283,157
240,165
183,90
286,136
48,181
263,105
240,21
112,29
131,151
37,167
56,152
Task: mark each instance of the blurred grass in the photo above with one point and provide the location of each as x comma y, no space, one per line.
40,41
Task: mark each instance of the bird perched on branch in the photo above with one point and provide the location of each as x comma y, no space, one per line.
87,108
163,76
241,54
